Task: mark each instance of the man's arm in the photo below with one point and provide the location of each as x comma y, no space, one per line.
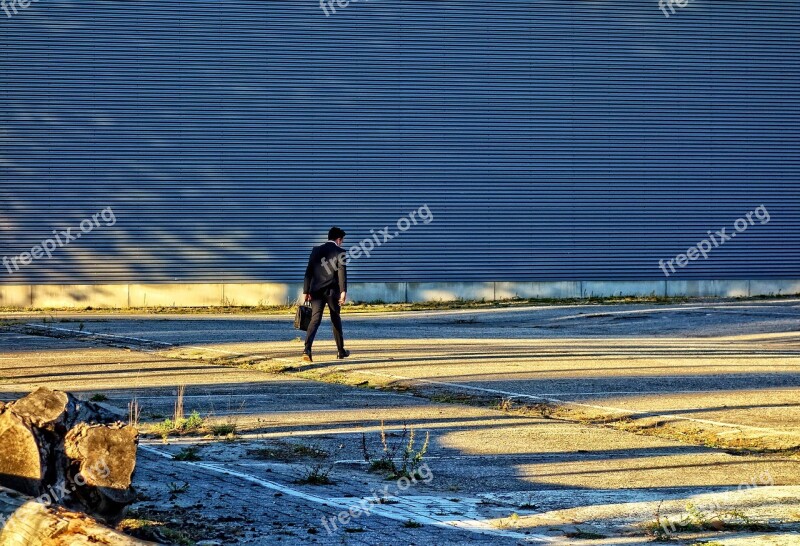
309,274
342,273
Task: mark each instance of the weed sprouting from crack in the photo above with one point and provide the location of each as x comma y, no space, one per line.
316,475
187,454
505,523
410,458
176,489
695,520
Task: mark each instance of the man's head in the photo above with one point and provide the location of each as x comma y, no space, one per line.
336,235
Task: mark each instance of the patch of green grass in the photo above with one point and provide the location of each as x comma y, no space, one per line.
736,520
167,526
285,451
223,429
411,524
528,504
99,397
193,422
187,454
445,397
177,537
316,475
176,489
152,530
511,521
167,427
163,429
302,450
382,465
696,520
410,456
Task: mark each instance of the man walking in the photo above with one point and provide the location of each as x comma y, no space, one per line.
325,283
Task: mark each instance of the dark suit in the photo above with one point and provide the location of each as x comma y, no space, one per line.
325,280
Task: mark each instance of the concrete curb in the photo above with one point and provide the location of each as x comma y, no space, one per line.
123,296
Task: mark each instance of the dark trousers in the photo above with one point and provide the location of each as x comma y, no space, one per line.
329,297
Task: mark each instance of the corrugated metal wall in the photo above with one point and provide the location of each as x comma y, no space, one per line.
551,139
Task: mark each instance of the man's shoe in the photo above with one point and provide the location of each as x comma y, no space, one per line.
307,356
343,354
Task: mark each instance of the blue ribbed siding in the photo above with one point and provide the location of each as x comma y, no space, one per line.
552,139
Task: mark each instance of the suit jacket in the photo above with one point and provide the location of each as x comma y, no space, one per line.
326,268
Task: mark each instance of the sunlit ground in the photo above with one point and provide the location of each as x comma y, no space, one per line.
540,421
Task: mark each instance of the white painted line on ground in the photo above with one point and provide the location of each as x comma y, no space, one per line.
416,511
143,340
535,456
245,397
89,334
268,484
655,392
717,307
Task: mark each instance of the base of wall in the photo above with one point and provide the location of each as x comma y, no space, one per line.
121,296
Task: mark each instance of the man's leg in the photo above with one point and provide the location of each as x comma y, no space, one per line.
336,319
317,308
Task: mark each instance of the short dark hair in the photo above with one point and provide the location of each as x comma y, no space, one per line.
335,233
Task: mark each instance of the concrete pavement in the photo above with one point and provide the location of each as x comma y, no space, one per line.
613,409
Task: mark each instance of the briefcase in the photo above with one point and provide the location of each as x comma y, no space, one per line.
303,317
